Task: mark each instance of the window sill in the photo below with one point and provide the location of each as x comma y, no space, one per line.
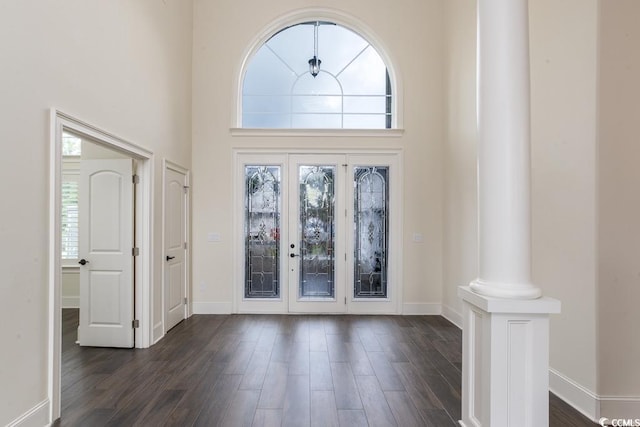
367,133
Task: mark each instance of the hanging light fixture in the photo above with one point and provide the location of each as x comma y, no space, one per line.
314,63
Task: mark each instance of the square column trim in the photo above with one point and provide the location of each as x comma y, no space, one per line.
543,305
505,361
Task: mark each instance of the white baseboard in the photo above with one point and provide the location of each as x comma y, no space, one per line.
37,416
211,307
421,308
590,404
580,398
71,302
620,407
452,316
158,332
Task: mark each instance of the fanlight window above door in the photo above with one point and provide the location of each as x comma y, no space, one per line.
317,75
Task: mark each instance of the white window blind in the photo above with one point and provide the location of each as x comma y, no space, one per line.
69,215
71,148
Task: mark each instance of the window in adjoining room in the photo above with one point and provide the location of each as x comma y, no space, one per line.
317,75
71,148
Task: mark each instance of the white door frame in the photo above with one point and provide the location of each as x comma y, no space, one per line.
242,156
168,164
143,278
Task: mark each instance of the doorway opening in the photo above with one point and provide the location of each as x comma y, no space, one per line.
140,233
175,217
318,232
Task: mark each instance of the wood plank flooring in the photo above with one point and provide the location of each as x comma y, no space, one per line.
269,370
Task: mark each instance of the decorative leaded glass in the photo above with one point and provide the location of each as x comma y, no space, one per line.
262,231
317,231
371,231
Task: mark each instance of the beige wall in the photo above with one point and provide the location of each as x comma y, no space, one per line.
223,32
124,66
619,202
563,117
70,288
460,244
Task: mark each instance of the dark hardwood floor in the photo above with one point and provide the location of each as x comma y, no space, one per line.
268,370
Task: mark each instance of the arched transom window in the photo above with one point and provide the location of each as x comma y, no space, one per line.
316,75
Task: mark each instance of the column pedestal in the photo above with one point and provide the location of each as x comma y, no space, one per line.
505,360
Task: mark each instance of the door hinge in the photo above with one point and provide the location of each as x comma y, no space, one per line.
185,300
345,300
135,251
136,179
135,324
185,245
186,188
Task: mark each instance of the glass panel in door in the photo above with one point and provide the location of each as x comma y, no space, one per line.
317,231
371,225
262,231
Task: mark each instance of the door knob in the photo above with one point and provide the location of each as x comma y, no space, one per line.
83,261
169,258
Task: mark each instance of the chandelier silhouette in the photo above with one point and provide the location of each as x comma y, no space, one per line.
314,63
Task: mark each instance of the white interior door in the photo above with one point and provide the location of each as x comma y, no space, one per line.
175,238
317,214
105,249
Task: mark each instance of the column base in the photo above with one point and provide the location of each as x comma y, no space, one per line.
499,290
505,360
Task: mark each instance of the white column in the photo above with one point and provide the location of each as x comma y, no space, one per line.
505,346
504,208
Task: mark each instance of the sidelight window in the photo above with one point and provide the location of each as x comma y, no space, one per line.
262,231
371,218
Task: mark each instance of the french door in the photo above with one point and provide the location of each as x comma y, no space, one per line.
319,233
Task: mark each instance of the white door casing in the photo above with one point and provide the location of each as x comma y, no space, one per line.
175,239
105,245
144,199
